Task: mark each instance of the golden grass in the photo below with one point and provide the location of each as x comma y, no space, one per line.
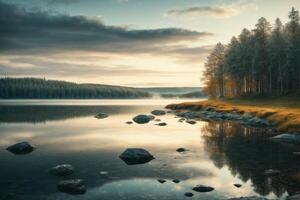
284,112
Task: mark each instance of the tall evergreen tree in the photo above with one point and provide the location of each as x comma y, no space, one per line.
263,61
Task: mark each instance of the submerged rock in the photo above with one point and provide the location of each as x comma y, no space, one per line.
287,138
75,186
133,156
20,148
101,115
203,188
157,120
188,194
161,180
180,150
249,198
141,119
158,112
129,122
62,170
161,124
237,185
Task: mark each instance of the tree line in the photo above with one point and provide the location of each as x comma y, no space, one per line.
259,62
33,88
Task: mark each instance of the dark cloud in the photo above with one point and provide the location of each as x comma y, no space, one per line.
203,10
28,31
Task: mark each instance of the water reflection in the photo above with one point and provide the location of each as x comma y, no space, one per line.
41,114
220,155
247,152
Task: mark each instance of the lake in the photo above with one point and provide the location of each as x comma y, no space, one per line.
65,131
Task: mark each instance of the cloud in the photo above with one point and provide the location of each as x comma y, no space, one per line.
231,8
215,11
40,31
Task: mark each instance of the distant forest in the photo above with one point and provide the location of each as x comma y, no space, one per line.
33,88
259,62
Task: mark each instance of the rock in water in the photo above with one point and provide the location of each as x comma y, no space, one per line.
188,194
129,122
75,186
20,148
180,150
176,181
203,188
237,185
161,180
62,170
191,121
141,119
161,124
133,156
101,116
158,112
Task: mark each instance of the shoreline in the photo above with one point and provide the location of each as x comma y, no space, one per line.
284,115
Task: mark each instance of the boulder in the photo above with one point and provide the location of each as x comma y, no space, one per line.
203,188
62,170
188,194
158,112
75,186
287,138
141,119
133,156
20,148
101,115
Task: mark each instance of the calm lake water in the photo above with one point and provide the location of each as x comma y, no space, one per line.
221,154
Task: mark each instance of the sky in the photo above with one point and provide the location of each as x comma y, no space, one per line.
136,43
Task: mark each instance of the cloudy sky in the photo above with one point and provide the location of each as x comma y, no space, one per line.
122,42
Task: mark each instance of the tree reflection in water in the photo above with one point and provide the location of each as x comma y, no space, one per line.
248,152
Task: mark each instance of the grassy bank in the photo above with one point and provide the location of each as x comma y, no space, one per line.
284,111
